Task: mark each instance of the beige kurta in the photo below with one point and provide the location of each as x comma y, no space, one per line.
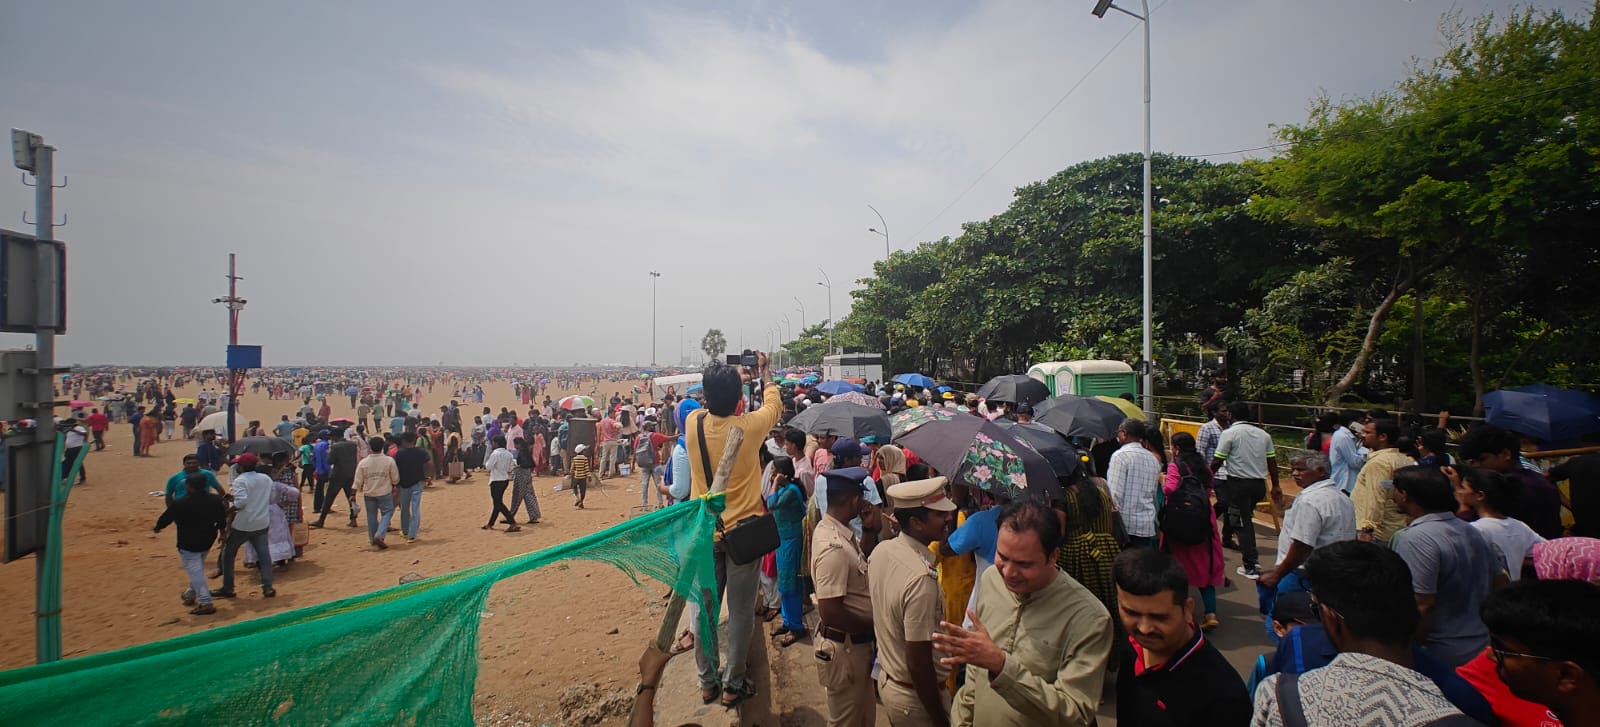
1056,643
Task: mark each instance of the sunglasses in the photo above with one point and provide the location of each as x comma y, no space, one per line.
1501,654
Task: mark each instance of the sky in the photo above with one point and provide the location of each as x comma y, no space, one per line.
491,183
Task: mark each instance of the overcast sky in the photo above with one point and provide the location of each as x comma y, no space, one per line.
490,183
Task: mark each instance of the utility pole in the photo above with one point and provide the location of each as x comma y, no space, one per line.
653,276
829,286
235,376
887,339
36,462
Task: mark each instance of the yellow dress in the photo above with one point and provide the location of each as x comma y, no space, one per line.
957,576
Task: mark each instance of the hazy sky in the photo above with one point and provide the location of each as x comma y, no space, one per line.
489,183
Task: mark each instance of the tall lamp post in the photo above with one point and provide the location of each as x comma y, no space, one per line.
802,310
653,276
1100,8
888,352
826,283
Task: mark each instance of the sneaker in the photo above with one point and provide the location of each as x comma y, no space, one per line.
1249,571
203,610
187,597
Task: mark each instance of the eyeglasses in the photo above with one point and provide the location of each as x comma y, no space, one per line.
1501,654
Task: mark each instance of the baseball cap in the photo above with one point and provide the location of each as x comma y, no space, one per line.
1294,607
848,447
247,461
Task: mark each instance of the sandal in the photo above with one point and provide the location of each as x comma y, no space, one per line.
769,614
684,643
514,529
708,695
781,630
731,697
203,610
789,638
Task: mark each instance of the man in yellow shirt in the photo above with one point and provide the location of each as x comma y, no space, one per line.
705,434
1378,518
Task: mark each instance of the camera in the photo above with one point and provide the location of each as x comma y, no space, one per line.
748,359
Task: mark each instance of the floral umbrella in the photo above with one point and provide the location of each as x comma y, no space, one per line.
856,397
971,450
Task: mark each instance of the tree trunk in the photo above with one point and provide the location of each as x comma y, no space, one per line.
1369,343
1419,368
1473,352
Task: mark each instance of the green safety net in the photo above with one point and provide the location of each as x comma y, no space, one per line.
405,655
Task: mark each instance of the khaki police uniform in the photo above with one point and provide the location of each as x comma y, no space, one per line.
907,605
844,661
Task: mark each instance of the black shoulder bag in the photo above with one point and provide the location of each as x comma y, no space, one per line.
750,538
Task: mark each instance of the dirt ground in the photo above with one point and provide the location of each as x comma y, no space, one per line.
121,582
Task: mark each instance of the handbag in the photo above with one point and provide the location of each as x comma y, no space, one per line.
300,534
750,538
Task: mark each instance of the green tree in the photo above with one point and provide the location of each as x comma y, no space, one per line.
713,343
810,345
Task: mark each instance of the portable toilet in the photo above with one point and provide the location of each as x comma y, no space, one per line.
1086,378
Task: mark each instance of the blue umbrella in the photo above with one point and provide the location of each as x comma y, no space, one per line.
832,388
693,389
943,389
1547,413
916,380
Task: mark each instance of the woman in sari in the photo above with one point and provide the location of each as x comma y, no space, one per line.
788,506
285,500
436,436
149,431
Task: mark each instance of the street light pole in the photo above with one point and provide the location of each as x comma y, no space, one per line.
888,352
829,285
1100,8
653,276
802,310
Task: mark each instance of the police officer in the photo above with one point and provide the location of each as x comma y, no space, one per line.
839,572
907,606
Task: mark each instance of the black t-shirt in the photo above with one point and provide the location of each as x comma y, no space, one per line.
1198,687
412,463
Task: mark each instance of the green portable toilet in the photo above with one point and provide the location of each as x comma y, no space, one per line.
1086,378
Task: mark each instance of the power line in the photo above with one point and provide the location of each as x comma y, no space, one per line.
1032,128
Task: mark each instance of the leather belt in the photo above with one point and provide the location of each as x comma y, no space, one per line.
836,635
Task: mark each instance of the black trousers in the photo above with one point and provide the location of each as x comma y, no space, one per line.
70,456
1243,494
497,490
331,493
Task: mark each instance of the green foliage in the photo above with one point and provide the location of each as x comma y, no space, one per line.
713,344
809,346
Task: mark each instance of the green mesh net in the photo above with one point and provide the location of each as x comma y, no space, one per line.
406,655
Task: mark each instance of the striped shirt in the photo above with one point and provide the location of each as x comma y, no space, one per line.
1133,476
580,467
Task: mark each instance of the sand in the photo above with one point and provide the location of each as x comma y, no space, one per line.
542,633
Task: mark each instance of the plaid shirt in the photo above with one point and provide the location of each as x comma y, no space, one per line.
1134,478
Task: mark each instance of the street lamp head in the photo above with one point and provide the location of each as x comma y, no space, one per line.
1100,8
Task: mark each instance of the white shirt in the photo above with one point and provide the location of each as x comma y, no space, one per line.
1245,448
1512,536
500,464
820,494
252,497
1321,515
1133,477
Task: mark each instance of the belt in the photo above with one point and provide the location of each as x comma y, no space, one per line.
907,685
836,635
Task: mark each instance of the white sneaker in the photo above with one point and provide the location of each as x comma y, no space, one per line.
1248,571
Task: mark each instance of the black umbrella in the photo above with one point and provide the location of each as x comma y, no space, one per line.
1064,458
842,419
260,446
974,451
1080,416
1015,388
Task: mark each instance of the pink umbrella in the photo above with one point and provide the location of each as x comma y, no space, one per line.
857,397
79,404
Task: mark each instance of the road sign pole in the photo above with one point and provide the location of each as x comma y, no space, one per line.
47,587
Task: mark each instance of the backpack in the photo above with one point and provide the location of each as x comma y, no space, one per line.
1186,517
644,455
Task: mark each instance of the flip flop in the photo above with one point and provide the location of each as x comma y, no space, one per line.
684,643
738,696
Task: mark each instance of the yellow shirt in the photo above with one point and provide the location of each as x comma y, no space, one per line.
906,603
1372,495
744,483
1056,642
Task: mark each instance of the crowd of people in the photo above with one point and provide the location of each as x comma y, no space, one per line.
1414,582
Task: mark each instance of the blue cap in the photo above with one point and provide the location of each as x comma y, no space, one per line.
848,447
846,479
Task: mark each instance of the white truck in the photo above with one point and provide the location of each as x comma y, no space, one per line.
865,366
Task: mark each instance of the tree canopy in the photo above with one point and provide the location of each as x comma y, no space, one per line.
1466,197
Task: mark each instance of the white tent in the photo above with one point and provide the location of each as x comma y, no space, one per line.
679,383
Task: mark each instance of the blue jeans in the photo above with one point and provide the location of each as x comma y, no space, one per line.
379,511
195,565
258,542
410,509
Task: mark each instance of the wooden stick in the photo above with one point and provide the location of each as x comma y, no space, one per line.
667,634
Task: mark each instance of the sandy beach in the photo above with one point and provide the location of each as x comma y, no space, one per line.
121,582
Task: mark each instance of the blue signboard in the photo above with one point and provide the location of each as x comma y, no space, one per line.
244,357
